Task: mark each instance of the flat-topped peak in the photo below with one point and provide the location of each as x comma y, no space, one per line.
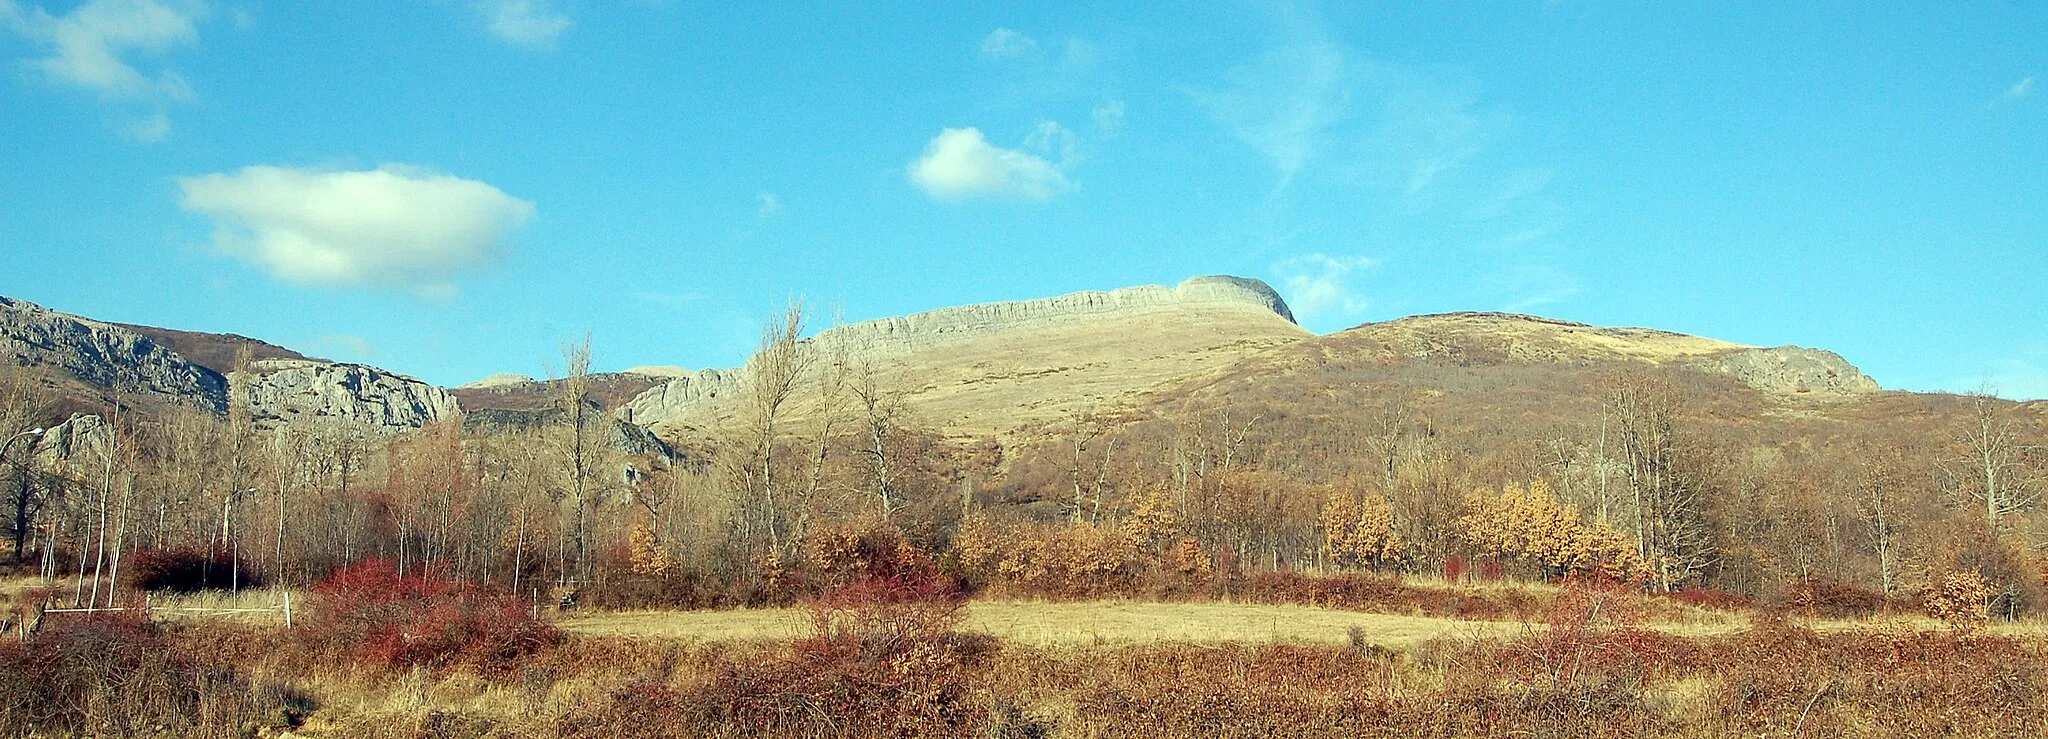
919,330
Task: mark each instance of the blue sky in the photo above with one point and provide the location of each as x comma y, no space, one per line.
453,188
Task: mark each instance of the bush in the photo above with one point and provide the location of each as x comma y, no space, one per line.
122,675
1826,598
186,571
378,616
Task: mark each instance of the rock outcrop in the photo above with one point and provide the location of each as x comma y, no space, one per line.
676,397
104,355
73,448
1791,370
288,391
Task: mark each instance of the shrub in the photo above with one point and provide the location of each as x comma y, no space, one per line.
378,616
120,674
1827,598
186,571
1961,599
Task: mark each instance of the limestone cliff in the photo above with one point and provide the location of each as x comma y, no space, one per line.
105,356
286,391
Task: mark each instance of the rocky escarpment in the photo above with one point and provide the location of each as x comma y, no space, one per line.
890,338
675,397
938,327
288,391
1791,370
106,356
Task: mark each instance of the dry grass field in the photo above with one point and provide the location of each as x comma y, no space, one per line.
1075,624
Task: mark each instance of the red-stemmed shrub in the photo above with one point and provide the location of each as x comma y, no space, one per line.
378,616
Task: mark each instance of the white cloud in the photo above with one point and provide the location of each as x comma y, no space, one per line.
1322,286
2020,89
534,24
1004,43
90,47
1108,118
960,163
397,225
1051,138
770,205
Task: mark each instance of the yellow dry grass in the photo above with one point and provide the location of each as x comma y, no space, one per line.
1083,623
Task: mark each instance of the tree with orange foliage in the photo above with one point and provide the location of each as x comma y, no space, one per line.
1529,524
1358,530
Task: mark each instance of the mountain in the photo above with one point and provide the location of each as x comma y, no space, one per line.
1001,368
1010,370
87,365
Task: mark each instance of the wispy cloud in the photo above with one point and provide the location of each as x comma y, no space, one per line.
535,24
1526,287
1320,287
961,164
1108,117
1004,43
770,205
2020,89
397,225
92,46
1283,104
149,129
97,47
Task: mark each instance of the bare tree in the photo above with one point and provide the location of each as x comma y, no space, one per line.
1994,463
22,410
1881,488
573,397
1671,526
881,406
770,381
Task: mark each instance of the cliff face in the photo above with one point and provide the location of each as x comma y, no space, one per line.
115,363
288,391
945,325
105,356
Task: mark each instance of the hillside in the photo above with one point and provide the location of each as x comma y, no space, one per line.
1001,368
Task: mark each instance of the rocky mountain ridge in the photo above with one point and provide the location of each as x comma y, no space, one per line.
118,363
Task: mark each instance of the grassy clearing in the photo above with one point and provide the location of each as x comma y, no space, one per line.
1068,624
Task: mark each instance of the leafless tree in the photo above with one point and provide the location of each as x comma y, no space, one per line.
1994,463
1670,513
771,379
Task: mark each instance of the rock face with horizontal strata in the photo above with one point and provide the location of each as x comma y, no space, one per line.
104,355
886,337
292,391
933,328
